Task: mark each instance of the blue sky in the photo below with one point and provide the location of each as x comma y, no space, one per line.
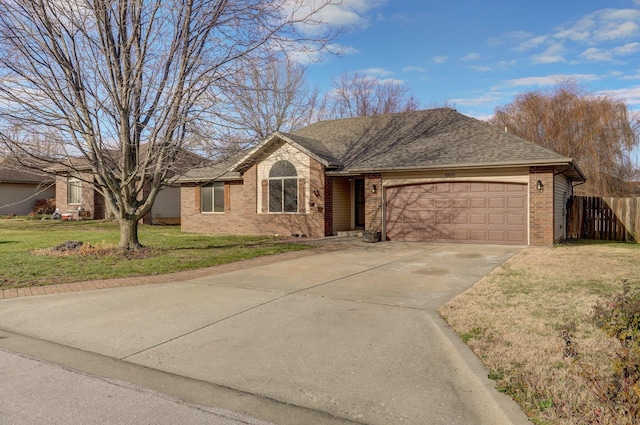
477,55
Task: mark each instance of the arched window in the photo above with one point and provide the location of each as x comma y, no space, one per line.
283,187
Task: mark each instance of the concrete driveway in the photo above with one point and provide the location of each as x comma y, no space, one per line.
350,336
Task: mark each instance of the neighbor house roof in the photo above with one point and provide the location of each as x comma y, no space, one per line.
12,171
218,170
184,160
421,140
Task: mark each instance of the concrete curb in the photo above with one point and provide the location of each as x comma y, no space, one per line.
491,406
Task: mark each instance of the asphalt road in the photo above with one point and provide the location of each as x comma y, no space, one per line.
36,392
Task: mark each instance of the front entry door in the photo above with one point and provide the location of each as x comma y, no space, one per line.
359,203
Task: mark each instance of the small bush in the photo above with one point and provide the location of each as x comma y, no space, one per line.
619,317
43,207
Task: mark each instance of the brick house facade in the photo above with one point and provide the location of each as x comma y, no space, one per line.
244,212
351,175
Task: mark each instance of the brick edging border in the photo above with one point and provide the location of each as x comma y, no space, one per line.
180,276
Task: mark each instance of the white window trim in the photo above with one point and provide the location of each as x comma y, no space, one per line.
73,180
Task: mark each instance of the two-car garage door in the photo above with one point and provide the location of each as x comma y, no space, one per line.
468,212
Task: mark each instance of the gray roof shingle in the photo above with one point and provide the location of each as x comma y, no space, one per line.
429,139
214,170
12,171
435,138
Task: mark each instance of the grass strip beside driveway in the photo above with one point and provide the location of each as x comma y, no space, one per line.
27,258
532,323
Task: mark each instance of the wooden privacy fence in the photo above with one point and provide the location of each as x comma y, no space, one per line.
604,218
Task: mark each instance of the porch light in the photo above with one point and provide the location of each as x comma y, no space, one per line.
374,188
539,186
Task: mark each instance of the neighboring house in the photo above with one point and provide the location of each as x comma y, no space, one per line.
434,175
76,196
20,187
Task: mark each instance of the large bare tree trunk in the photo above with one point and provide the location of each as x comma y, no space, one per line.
129,234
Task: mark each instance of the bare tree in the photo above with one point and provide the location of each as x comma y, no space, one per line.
359,94
597,131
120,82
258,99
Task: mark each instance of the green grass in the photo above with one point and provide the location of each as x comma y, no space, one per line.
26,257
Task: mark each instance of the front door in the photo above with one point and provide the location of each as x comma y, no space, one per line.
359,203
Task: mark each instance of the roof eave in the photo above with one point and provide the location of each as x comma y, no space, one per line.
206,179
469,166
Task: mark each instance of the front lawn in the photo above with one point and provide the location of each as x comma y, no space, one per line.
27,257
534,324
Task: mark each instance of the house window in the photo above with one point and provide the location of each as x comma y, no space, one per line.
74,191
283,188
212,197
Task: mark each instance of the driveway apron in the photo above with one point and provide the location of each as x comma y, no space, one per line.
353,333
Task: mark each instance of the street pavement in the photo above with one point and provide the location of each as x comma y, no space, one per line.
36,392
343,337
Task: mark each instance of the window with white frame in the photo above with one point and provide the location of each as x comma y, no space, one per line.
283,188
212,197
74,191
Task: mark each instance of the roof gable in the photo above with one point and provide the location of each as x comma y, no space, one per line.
310,147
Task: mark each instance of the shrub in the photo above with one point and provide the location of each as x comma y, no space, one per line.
43,206
619,317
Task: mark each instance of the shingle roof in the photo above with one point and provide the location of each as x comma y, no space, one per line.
184,160
214,170
429,139
11,171
435,138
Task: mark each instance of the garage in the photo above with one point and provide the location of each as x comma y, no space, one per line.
462,212
166,208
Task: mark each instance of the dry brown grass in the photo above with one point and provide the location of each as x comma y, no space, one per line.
99,250
530,322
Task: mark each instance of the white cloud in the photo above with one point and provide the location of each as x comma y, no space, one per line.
471,57
481,68
603,25
485,99
627,49
348,13
608,55
635,76
440,59
531,43
553,54
630,95
311,54
378,72
597,55
550,80
512,37
495,66
417,69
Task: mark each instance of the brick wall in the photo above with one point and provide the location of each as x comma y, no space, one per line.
328,206
242,216
88,198
541,212
373,202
